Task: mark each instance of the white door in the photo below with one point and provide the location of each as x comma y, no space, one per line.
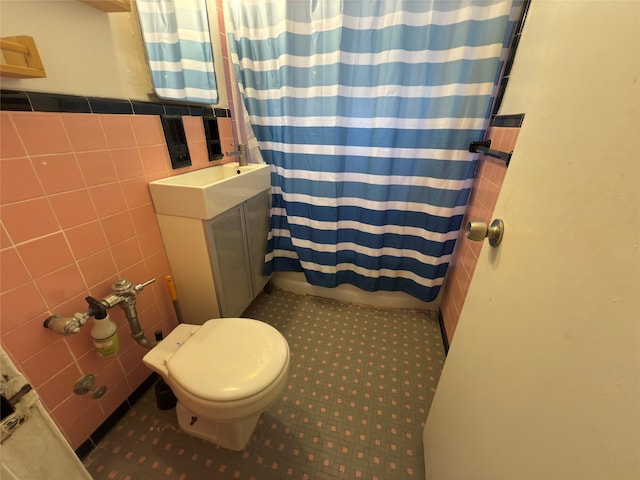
543,377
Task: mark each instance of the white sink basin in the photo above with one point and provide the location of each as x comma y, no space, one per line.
210,191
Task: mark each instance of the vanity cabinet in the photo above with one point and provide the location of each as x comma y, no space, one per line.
217,263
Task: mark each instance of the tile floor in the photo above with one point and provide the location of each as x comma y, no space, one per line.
361,382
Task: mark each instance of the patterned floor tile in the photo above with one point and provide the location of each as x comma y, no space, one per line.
360,385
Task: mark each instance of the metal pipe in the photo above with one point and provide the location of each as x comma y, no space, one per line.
123,294
125,290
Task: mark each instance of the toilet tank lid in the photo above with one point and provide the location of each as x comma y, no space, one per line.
229,359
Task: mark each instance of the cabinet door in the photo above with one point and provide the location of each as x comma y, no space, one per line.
230,262
257,211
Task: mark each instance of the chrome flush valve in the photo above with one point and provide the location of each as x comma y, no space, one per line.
123,294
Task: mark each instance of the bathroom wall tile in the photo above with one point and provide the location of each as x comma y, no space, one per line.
20,305
146,108
151,241
466,260
199,155
148,129
73,208
155,159
193,129
13,273
135,371
108,199
80,179
491,198
136,192
97,167
84,131
41,133
497,134
48,362
97,267
144,218
59,387
157,264
487,184
126,253
515,132
10,143
132,355
127,162
137,374
90,362
118,228
54,102
46,254
28,338
78,417
225,128
58,173
111,373
110,105
18,180
5,241
118,130
86,239
29,219
57,287
115,394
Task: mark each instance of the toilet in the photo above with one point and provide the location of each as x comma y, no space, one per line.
224,373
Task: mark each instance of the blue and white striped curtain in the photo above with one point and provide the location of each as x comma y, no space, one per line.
365,110
178,44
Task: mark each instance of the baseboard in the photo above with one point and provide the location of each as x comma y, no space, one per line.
443,332
90,443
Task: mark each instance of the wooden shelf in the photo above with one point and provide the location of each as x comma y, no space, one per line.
20,58
110,5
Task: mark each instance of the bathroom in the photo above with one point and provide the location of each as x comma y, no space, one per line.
555,304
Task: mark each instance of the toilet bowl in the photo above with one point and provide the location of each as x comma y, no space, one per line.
225,374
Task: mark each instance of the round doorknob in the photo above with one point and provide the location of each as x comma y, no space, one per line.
478,231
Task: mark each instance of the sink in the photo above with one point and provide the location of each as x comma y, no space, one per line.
210,191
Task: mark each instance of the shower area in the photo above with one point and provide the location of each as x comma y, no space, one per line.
365,112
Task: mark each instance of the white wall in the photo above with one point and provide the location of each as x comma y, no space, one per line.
88,52
543,377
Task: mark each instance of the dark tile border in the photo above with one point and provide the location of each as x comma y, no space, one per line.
222,112
508,120
443,332
110,105
147,108
177,110
90,443
15,101
23,101
45,102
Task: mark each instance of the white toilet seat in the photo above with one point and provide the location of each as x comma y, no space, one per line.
251,354
225,373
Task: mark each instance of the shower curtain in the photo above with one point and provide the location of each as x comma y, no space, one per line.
365,110
178,45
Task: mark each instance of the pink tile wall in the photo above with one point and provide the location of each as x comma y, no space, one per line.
76,215
486,187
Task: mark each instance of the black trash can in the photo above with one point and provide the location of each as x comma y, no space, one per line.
165,399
